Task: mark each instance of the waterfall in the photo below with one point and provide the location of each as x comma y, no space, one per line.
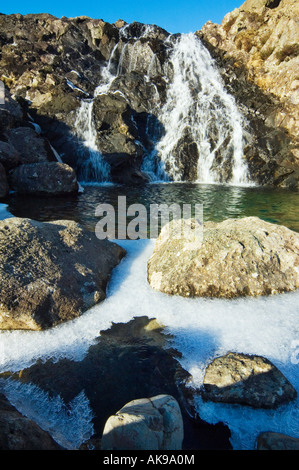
196,133
91,165
198,108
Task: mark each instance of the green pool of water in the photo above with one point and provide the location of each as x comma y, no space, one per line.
279,206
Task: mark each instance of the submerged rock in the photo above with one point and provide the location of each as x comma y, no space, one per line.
146,424
237,257
51,272
246,380
49,178
20,433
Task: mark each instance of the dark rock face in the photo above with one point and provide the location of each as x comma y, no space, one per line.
3,182
28,162
30,146
129,361
48,178
20,433
9,156
49,272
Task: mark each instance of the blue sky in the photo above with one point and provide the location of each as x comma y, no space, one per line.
176,16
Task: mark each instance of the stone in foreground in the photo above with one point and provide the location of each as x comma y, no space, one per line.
246,380
51,272
237,257
147,424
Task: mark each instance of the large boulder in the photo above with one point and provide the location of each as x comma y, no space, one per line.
246,380
20,433
51,272
237,257
48,178
146,424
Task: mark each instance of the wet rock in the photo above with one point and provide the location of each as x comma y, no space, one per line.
276,441
49,272
146,424
45,178
3,182
117,137
20,433
237,257
246,380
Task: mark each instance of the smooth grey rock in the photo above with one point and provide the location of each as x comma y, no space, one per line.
147,424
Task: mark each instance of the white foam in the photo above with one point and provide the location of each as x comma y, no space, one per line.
68,425
202,329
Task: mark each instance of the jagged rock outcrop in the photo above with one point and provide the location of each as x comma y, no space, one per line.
49,272
236,257
50,64
257,47
22,146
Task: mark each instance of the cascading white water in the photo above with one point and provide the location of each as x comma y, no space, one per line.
198,104
198,110
92,166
